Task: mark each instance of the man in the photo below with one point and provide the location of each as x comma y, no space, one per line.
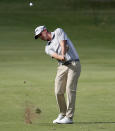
61,48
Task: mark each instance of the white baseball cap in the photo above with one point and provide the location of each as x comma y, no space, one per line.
38,30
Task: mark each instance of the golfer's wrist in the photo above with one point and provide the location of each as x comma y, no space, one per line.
62,57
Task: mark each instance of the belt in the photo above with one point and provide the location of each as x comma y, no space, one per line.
69,62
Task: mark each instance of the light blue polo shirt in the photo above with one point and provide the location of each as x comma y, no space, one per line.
54,46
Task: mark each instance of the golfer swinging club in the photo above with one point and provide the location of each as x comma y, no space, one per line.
61,48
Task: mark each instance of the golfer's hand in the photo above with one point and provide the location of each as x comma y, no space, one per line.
58,57
62,58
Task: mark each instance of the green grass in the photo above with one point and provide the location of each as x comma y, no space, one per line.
27,74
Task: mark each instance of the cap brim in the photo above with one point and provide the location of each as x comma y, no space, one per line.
36,37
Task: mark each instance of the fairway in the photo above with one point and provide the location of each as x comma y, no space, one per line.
27,74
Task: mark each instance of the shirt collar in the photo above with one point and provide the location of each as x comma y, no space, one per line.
52,36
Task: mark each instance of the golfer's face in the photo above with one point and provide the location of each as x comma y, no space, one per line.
43,35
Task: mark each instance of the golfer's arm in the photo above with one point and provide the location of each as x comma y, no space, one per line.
58,57
63,47
63,51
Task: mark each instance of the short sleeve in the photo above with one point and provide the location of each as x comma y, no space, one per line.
49,51
61,35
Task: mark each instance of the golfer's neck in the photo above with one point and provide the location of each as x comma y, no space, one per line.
49,36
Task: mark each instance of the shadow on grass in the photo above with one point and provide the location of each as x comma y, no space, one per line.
95,122
51,124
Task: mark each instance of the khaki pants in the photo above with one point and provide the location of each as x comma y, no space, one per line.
66,81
